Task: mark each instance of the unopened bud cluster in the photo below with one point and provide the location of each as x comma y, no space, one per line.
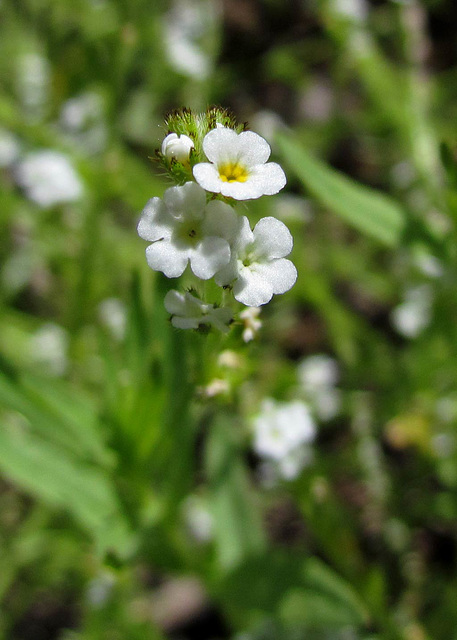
214,163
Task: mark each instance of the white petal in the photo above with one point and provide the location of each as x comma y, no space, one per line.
281,274
220,220
207,176
271,176
155,222
221,145
221,318
167,140
186,323
163,256
186,201
272,238
253,148
252,289
228,274
244,235
174,302
209,256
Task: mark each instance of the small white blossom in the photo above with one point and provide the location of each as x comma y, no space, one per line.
252,324
216,387
356,10
188,312
282,435
317,372
198,519
186,28
112,314
48,178
82,120
33,80
238,166
179,147
318,375
183,228
412,316
9,148
257,268
49,349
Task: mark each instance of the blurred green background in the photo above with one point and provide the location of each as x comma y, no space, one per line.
133,502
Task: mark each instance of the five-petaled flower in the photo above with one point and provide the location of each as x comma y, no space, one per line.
183,228
189,312
257,267
238,166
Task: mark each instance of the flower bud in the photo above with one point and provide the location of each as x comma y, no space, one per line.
177,147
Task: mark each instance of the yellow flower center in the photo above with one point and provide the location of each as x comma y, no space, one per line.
232,172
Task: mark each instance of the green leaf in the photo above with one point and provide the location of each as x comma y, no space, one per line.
56,413
238,530
301,592
324,600
366,209
49,473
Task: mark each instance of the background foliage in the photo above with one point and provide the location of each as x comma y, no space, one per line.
108,440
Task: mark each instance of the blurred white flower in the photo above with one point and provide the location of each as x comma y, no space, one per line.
356,10
186,26
252,324
9,148
183,228
216,387
412,316
33,80
99,589
318,372
179,147
198,519
257,267
112,314
318,376
238,166
267,123
82,120
282,435
188,312
48,178
293,208
317,100
49,349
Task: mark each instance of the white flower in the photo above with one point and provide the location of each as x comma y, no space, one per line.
281,429
9,148
188,312
198,519
82,120
49,349
33,79
238,166
174,146
257,268
113,315
183,228
252,324
318,372
186,31
412,316
318,375
48,178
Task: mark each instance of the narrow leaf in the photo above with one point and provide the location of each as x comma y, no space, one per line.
366,209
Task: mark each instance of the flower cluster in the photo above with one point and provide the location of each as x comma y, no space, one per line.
194,229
